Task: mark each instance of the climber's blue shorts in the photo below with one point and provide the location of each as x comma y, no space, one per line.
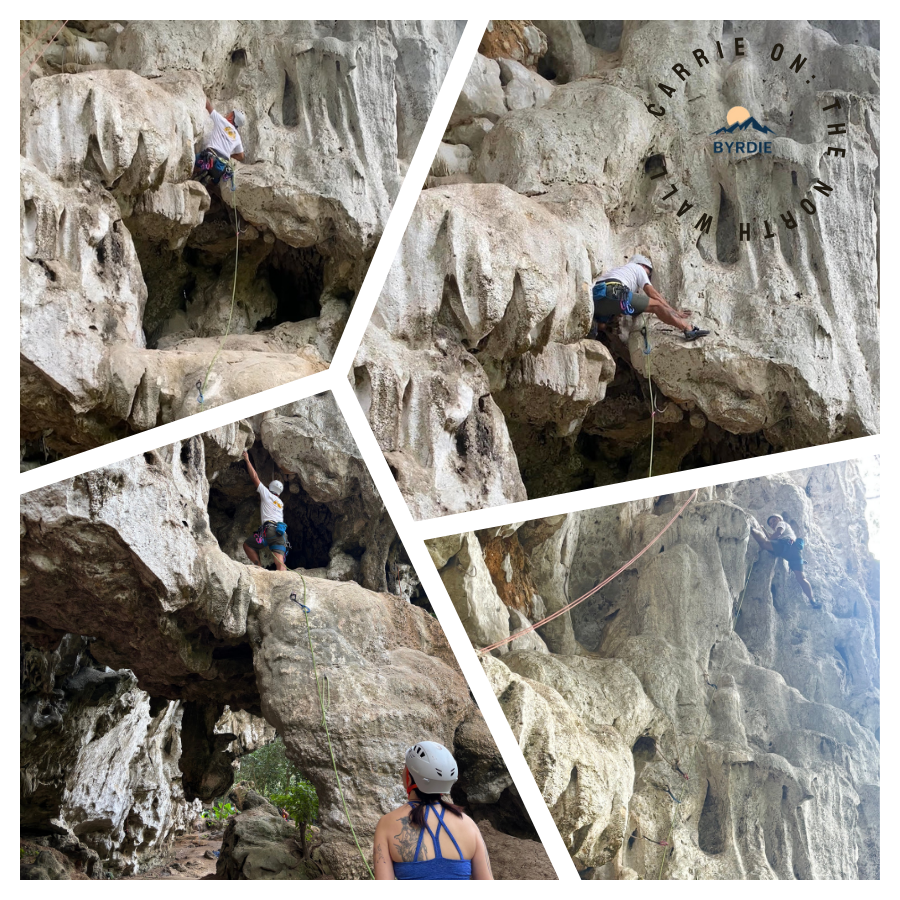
790,551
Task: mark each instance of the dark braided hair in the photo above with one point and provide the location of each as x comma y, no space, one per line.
417,816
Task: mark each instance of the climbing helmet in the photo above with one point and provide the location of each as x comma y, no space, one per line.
432,767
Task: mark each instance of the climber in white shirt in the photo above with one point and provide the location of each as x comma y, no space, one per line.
220,145
618,292
273,532
784,543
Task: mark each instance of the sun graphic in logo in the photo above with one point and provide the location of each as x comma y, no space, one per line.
737,114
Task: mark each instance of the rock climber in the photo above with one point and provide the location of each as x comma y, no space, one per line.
784,543
616,292
403,851
273,532
221,145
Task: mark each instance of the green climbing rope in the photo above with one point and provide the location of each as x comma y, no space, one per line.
320,693
237,241
690,769
647,353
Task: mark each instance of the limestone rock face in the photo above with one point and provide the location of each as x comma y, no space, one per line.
776,723
260,846
489,295
100,760
128,268
142,556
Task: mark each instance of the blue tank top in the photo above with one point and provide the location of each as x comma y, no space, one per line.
440,868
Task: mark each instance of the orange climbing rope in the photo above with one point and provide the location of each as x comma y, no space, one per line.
593,590
55,36
39,36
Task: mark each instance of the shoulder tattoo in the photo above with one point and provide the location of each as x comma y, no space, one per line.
406,839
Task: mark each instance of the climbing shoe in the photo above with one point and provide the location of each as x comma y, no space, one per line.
695,333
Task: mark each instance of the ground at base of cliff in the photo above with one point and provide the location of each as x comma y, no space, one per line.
188,860
192,857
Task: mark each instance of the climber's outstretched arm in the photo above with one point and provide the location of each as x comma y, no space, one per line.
209,106
254,477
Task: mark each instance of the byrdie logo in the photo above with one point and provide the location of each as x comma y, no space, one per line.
792,76
742,125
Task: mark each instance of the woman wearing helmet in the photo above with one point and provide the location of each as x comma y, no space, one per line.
429,838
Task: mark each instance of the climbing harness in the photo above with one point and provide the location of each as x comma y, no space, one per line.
705,717
201,386
593,590
324,704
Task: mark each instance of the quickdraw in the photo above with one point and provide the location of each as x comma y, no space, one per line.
675,766
674,798
659,843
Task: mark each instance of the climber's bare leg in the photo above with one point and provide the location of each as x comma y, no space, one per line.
252,555
805,586
667,314
279,562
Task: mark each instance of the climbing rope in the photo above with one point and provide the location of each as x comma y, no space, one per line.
201,386
55,36
678,800
593,590
324,705
40,34
647,351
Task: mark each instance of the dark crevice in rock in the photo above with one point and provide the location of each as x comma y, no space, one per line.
296,277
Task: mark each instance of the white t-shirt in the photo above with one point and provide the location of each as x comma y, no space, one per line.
271,508
783,530
223,137
633,276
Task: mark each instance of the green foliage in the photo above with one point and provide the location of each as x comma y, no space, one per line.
302,805
219,811
300,801
269,770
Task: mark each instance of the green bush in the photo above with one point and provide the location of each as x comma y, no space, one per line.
302,805
269,770
218,811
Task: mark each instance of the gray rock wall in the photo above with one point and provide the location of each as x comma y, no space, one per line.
99,759
128,268
475,373
782,754
129,555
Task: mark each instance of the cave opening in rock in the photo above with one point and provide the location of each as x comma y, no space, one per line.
605,34
189,289
613,443
296,277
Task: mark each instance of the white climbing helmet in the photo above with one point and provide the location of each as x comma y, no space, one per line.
276,487
432,767
240,120
641,261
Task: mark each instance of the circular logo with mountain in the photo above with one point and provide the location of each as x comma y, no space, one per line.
742,134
